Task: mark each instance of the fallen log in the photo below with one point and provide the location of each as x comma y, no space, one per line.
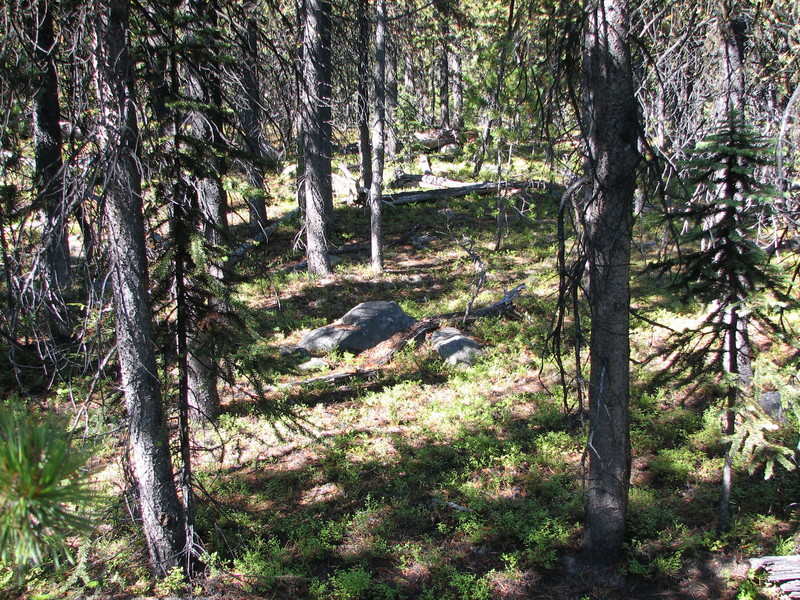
784,571
425,180
481,189
435,139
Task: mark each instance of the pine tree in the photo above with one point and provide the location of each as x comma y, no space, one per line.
722,265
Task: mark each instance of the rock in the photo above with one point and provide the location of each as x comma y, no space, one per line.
315,364
770,403
450,150
455,347
363,327
295,351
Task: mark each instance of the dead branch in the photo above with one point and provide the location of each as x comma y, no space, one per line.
427,180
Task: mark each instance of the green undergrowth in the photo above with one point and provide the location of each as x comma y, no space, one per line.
427,481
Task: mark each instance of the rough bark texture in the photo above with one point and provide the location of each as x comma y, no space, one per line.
48,144
733,37
610,123
161,511
251,116
392,145
444,74
375,199
364,142
203,86
316,127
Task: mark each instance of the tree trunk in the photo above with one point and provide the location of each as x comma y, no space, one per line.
391,101
611,133
205,129
375,199
162,516
730,107
456,85
251,117
733,37
316,149
49,175
364,142
444,75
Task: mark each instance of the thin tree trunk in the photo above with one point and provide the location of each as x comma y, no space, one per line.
364,142
456,84
391,100
205,128
375,200
610,130
733,33
49,174
730,107
181,239
251,117
444,74
161,512
316,150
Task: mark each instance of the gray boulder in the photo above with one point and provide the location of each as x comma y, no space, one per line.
363,327
771,404
455,347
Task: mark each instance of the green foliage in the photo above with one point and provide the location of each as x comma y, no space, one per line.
725,201
172,584
350,584
43,481
753,441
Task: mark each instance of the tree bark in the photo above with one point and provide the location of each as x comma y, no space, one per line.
733,37
611,133
364,142
444,74
316,128
205,129
162,516
391,100
378,142
49,165
251,115
456,84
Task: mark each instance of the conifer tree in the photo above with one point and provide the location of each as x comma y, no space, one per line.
722,265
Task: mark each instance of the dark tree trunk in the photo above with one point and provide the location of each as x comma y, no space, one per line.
251,116
391,100
375,199
364,142
444,75
49,164
161,512
611,133
316,134
205,128
456,86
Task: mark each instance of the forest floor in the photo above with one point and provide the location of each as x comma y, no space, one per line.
432,482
